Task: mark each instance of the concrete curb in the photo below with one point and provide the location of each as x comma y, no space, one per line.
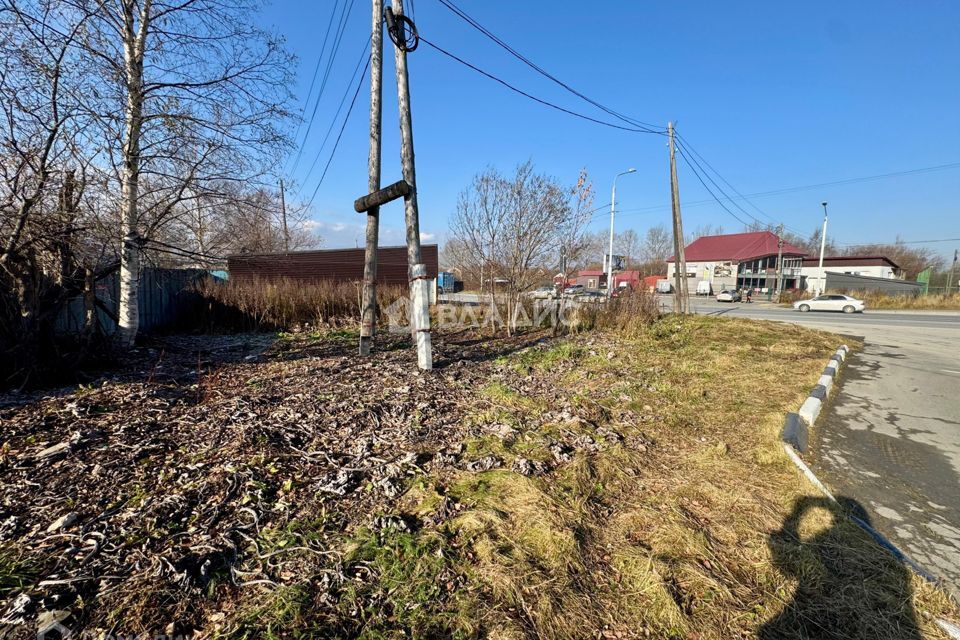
796,438
797,426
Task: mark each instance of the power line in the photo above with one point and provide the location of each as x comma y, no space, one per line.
686,143
764,194
870,244
718,201
530,96
343,101
345,14
340,135
316,70
479,27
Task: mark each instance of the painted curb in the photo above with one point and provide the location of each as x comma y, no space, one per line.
810,410
796,427
795,432
796,436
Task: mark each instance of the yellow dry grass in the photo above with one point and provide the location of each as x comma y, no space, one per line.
708,533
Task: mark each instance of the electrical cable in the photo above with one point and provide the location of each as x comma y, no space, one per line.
697,174
340,135
682,150
686,143
530,96
316,70
479,27
336,116
348,7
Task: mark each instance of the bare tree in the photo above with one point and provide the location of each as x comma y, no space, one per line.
628,244
40,187
514,227
657,247
479,224
192,93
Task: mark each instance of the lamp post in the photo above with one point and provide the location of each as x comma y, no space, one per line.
613,204
821,282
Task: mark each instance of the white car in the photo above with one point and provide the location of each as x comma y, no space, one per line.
545,292
729,295
830,302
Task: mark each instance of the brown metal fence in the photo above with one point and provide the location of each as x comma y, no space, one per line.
345,265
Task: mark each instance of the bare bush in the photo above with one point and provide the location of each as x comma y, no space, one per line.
254,304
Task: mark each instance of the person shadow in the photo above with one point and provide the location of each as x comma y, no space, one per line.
848,586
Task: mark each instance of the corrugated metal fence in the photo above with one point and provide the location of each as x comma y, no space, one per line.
164,297
850,282
344,265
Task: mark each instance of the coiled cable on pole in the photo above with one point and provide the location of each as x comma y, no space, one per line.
402,30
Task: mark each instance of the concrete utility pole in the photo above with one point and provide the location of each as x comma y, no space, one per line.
680,261
953,269
368,312
821,282
779,261
419,293
613,204
283,214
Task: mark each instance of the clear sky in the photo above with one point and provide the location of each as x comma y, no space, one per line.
773,94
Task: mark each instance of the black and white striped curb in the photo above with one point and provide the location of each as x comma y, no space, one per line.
796,438
796,428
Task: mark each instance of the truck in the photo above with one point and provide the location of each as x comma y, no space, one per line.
664,286
704,288
446,282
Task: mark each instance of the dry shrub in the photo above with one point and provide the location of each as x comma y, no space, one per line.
629,315
255,304
879,300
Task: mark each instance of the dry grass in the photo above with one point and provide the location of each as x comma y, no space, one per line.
932,302
254,304
877,300
696,525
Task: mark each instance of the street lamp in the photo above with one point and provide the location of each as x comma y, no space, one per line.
823,245
613,204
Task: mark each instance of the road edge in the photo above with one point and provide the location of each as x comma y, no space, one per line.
795,436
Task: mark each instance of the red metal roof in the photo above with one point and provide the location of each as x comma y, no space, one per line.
588,273
737,247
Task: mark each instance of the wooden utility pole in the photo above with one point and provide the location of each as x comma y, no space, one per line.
680,261
368,313
419,291
779,261
283,215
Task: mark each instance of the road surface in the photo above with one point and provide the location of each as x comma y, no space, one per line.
891,436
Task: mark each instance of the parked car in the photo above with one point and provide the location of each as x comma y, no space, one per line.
831,302
704,288
664,286
546,292
573,289
591,297
622,291
729,295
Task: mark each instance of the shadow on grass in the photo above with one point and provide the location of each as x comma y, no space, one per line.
848,586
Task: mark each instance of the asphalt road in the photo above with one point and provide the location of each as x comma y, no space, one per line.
891,436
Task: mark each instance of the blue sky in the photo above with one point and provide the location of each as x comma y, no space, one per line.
774,95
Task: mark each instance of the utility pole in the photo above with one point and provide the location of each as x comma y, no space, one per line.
680,261
368,312
779,261
823,246
953,268
419,294
283,214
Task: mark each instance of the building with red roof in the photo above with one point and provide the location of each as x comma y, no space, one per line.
740,260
